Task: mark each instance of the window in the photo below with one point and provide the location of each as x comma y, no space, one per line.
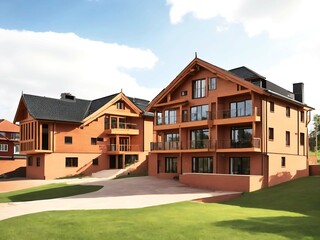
172,141
93,141
95,161
241,137
30,161
302,116
67,140
287,138
106,123
130,159
271,134
283,161
114,122
199,88
239,165
16,149
71,162
3,147
199,138
213,83
184,93
184,115
122,123
271,106
170,116
99,139
15,136
239,109
2,134
120,105
38,161
288,111
171,164
302,141
159,118
199,113
202,165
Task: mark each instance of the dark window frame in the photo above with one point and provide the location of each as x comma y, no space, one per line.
68,140
287,138
239,165
212,83
199,88
283,162
71,162
271,133
171,164
271,106
202,164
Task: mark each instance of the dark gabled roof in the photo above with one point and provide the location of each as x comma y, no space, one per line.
68,110
246,73
45,108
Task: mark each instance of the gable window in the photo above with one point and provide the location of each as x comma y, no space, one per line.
171,165
302,141
199,138
3,147
288,111
213,83
241,137
287,138
239,165
199,113
271,134
202,165
68,140
271,106
71,162
184,93
239,109
120,105
199,88
170,116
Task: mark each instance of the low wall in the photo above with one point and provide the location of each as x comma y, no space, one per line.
314,170
13,168
223,182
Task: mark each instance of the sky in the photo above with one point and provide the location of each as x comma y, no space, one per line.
94,48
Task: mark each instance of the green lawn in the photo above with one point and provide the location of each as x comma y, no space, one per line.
46,192
287,211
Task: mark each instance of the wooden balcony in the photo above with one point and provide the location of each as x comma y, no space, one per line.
123,128
229,145
120,148
177,147
226,117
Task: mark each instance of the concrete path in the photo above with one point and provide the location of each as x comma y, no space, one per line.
137,192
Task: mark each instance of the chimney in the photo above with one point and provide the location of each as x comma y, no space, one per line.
298,91
67,96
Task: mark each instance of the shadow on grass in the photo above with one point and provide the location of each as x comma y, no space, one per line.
53,192
288,227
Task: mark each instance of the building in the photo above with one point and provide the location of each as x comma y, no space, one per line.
12,163
228,130
71,136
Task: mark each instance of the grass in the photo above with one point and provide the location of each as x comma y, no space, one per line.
46,192
287,211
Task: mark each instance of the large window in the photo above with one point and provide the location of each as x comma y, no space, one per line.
172,141
202,165
199,88
199,113
170,116
239,109
239,165
171,164
199,138
71,162
241,137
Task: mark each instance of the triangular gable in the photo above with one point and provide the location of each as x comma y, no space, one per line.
193,66
22,111
101,111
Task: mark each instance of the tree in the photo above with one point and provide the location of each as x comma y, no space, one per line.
314,136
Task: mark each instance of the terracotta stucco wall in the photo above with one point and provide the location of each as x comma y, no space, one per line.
10,165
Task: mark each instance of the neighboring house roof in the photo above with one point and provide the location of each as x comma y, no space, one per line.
6,126
69,110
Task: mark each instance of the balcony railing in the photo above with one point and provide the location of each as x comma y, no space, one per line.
235,113
189,117
121,125
252,143
120,148
176,145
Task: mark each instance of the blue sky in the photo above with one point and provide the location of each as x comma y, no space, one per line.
93,48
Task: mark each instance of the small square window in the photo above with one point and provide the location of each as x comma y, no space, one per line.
184,93
283,161
68,140
95,161
93,141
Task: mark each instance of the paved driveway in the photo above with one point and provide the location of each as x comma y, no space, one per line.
124,193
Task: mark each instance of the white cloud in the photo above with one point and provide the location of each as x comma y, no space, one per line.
49,63
278,18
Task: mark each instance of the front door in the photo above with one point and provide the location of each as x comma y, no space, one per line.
113,161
